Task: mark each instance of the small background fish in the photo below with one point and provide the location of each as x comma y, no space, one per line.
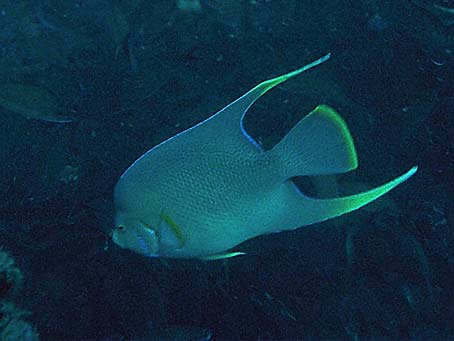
175,68
443,10
32,102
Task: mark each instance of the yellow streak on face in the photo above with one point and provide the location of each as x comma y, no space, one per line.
174,227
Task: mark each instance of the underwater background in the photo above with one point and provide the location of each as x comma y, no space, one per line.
88,86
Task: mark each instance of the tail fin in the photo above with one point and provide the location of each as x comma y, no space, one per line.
319,144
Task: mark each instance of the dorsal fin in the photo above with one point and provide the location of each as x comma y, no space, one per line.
227,124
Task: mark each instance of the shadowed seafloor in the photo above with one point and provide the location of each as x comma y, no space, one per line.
88,86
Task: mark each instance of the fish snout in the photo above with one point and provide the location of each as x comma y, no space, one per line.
137,238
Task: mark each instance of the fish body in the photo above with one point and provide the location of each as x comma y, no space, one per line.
211,187
117,27
32,102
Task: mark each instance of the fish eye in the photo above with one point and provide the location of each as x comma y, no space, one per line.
121,228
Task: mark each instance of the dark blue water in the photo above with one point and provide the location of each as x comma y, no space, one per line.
132,73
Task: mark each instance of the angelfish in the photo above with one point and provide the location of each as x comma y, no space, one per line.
211,187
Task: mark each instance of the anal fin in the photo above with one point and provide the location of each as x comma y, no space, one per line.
301,210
